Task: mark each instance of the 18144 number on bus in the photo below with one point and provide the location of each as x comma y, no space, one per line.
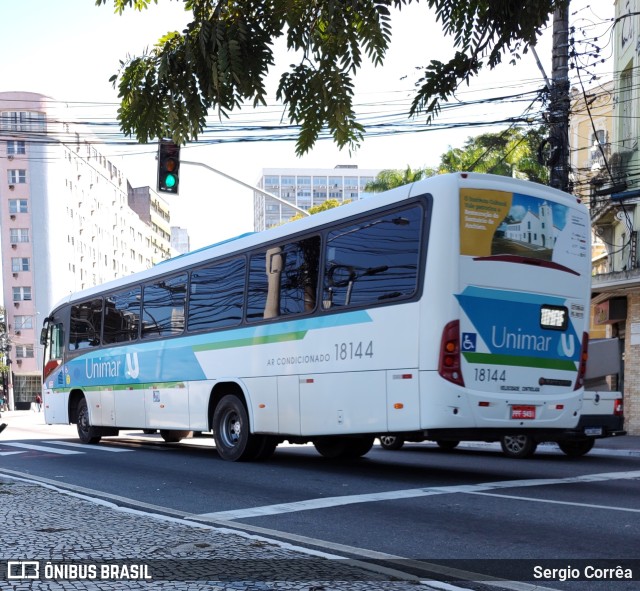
357,350
490,375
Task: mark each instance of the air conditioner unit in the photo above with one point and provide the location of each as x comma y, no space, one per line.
12,187
15,274
9,157
14,246
19,361
17,332
13,216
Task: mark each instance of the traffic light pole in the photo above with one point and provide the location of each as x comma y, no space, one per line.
247,185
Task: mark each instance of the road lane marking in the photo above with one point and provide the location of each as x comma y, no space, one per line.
10,453
63,452
85,447
328,502
554,502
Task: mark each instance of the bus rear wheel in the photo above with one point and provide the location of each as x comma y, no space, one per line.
447,445
233,438
174,436
86,433
343,447
575,449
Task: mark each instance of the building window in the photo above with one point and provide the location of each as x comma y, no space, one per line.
23,322
21,294
17,176
24,351
626,107
20,264
17,235
22,121
18,206
16,147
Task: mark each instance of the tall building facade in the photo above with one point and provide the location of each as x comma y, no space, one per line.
615,212
304,188
153,210
65,223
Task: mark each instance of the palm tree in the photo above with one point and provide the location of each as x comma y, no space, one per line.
391,178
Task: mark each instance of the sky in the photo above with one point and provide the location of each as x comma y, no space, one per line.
68,50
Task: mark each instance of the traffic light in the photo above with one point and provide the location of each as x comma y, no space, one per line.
168,167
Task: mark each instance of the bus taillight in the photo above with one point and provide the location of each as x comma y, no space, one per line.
584,355
449,363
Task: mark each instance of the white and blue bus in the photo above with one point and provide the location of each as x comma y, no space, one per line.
454,308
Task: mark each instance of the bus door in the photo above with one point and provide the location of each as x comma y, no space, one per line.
53,376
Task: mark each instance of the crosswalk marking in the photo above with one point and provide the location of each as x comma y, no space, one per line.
486,488
63,452
84,445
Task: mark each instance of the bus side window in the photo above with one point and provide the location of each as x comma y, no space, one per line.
216,296
85,325
163,306
283,280
374,261
122,316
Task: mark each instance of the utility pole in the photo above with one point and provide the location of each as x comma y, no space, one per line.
559,100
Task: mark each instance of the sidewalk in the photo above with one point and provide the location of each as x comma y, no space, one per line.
62,540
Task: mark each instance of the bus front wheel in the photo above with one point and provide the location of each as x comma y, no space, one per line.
233,438
86,433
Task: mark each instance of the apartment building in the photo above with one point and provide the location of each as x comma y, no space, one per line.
304,188
65,222
615,215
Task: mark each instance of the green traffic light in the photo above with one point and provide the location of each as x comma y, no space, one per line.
170,181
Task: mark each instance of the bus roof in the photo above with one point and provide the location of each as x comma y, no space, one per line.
433,185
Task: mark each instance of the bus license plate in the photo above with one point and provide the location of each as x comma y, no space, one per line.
523,412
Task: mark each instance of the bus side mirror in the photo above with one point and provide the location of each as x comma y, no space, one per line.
43,336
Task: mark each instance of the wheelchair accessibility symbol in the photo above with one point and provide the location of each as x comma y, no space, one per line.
468,341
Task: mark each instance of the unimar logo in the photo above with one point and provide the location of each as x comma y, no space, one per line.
100,368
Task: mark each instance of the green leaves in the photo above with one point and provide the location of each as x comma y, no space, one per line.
221,60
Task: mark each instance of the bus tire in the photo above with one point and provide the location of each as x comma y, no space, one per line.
335,448
447,445
266,448
518,446
391,442
576,449
231,432
86,433
358,446
174,436
331,447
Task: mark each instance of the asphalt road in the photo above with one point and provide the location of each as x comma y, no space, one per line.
471,509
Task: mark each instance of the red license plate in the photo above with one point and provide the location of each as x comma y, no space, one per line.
523,412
